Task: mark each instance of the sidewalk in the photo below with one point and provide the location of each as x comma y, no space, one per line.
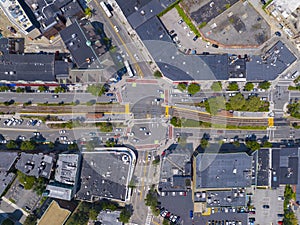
15,206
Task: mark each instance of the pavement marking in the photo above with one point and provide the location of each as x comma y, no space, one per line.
127,110
271,121
143,179
167,111
137,67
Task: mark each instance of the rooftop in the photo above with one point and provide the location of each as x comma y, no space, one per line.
6,178
268,66
263,165
84,44
217,170
60,191
67,167
285,166
105,174
27,67
38,165
7,159
109,218
11,45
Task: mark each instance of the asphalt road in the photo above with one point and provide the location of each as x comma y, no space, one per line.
39,97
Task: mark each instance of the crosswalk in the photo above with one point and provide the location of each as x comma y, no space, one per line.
149,217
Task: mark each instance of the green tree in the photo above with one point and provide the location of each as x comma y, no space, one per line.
40,185
90,145
59,89
4,88
106,127
93,213
253,104
264,85
237,102
12,144
88,12
151,201
216,86
73,146
249,86
253,145
96,89
30,220
267,144
182,86
51,145
27,146
213,105
20,90
27,181
166,222
7,221
157,74
110,143
233,86
193,88
125,215
204,143
175,121
42,88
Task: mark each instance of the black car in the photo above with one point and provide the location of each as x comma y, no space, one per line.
215,46
266,206
277,33
195,38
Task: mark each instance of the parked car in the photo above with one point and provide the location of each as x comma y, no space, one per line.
215,46
195,38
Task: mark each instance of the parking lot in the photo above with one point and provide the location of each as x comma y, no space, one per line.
266,197
238,25
25,199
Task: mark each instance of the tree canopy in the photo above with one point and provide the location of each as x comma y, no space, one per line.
182,86
249,86
253,145
216,86
157,74
213,105
233,86
193,88
237,102
151,201
125,215
11,144
27,145
264,85
96,89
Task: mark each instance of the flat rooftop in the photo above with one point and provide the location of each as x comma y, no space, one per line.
233,198
67,167
38,165
263,165
216,170
83,43
7,159
268,66
105,174
6,178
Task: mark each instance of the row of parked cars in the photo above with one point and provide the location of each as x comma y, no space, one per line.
169,216
13,122
34,122
224,222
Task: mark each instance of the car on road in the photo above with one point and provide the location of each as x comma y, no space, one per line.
135,140
215,46
118,129
55,96
62,131
39,123
116,28
277,33
130,134
143,128
36,133
280,198
191,213
63,138
109,94
280,215
266,206
148,133
180,21
160,91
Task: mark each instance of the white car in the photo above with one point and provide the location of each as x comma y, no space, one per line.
116,28
142,128
62,131
130,134
148,133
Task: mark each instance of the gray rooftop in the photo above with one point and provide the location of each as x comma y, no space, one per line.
7,159
27,67
223,170
263,165
233,198
67,167
38,165
276,60
83,43
285,166
60,191
104,175
109,218
6,179
11,45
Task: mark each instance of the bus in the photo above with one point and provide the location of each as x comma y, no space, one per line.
128,68
106,10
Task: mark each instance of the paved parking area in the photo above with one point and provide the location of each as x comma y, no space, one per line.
267,197
158,132
238,25
23,198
